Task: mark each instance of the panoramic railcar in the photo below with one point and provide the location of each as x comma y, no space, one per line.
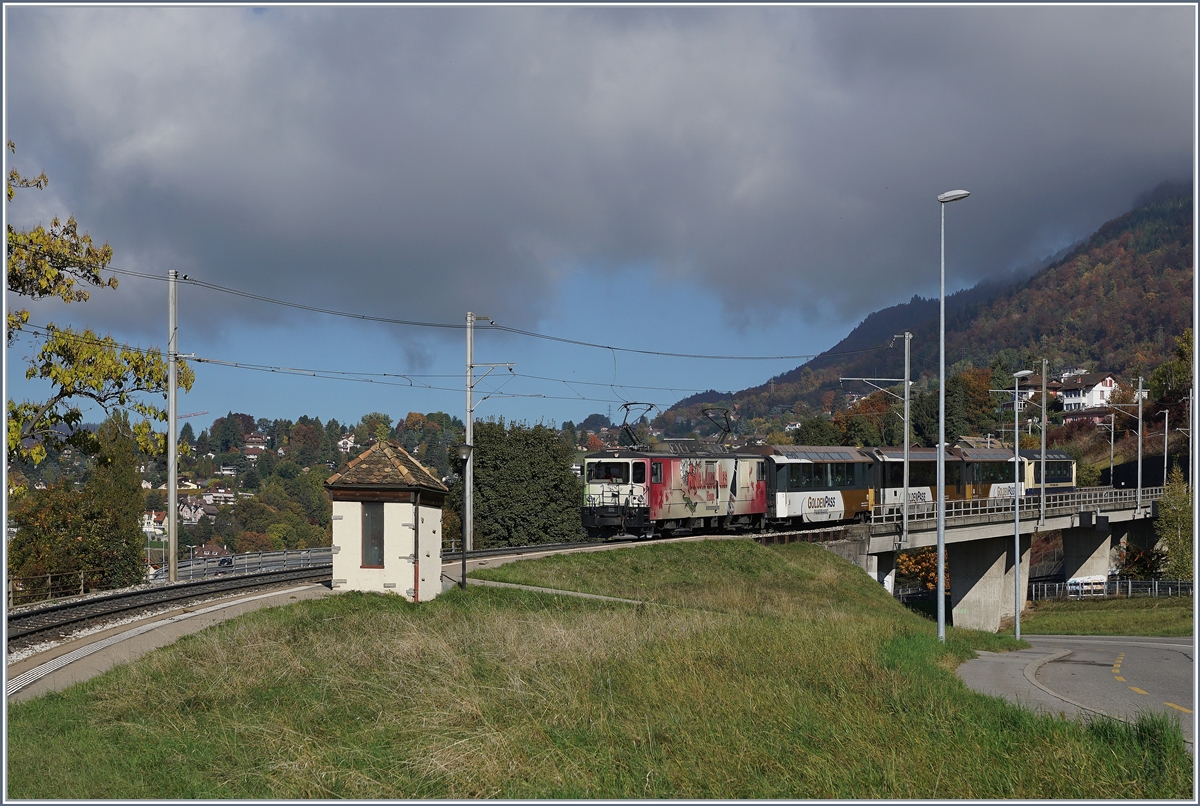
1060,472
989,472
818,484
922,476
674,487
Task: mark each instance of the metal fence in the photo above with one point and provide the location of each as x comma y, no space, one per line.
1114,588
44,587
249,563
1103,499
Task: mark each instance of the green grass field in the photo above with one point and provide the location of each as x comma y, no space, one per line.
754,672
1165,616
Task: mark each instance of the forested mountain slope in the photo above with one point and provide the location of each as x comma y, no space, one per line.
1115,302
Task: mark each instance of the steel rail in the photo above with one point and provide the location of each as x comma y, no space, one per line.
32,622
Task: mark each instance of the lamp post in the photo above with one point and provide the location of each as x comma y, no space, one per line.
1042,511
464,455
1017,376
1166,440
944,199
1138,510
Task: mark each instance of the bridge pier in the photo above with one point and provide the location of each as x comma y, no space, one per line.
1087,551
981,581
1091,551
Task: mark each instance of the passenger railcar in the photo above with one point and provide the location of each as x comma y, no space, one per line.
922,476
1060,472
989,472
819,484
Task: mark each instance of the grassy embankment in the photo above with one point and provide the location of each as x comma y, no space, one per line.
1165,616
756,672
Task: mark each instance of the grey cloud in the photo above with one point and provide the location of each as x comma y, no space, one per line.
420,162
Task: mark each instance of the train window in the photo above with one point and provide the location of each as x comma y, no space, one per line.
609,472
639,472
810,477
762,471
1055,471
656,472
372,535
837,472
993,472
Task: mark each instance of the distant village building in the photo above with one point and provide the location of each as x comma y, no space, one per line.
346,443
1095,416
1088,391
387,524
1031,385
210,551
154,522
191,510
219,495
252,453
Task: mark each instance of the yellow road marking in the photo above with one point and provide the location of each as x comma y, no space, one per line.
1122,679
1178,707
1138,690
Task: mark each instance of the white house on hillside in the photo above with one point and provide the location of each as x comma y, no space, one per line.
1088,391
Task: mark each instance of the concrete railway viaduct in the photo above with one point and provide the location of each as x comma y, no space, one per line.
979,543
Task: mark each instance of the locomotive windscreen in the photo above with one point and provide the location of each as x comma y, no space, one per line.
608,472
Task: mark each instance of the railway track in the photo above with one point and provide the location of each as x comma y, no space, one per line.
29,625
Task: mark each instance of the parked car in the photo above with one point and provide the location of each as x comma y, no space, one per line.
225,562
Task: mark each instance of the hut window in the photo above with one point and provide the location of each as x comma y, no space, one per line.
372,535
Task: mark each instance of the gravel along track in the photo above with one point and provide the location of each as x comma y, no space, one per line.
58,620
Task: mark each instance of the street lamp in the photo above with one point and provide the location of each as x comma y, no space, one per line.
1166,438
1114,407
1017,376
464,455
944,199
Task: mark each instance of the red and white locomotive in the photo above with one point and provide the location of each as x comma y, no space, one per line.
674,486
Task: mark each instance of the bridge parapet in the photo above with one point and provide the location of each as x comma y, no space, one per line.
988,510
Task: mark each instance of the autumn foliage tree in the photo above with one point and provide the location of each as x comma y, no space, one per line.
921,565
60,261
96,530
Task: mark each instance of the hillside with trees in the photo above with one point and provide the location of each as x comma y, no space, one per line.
1116,302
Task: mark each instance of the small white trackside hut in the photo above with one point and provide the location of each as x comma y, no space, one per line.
387,525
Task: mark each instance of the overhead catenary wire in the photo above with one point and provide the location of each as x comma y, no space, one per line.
371,377
335,375
490,326
350,377
44,330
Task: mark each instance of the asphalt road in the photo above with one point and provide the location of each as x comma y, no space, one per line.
1122,676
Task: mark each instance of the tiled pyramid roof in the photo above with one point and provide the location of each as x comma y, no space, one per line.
385,465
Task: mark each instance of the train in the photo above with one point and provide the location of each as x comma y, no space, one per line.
683,486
